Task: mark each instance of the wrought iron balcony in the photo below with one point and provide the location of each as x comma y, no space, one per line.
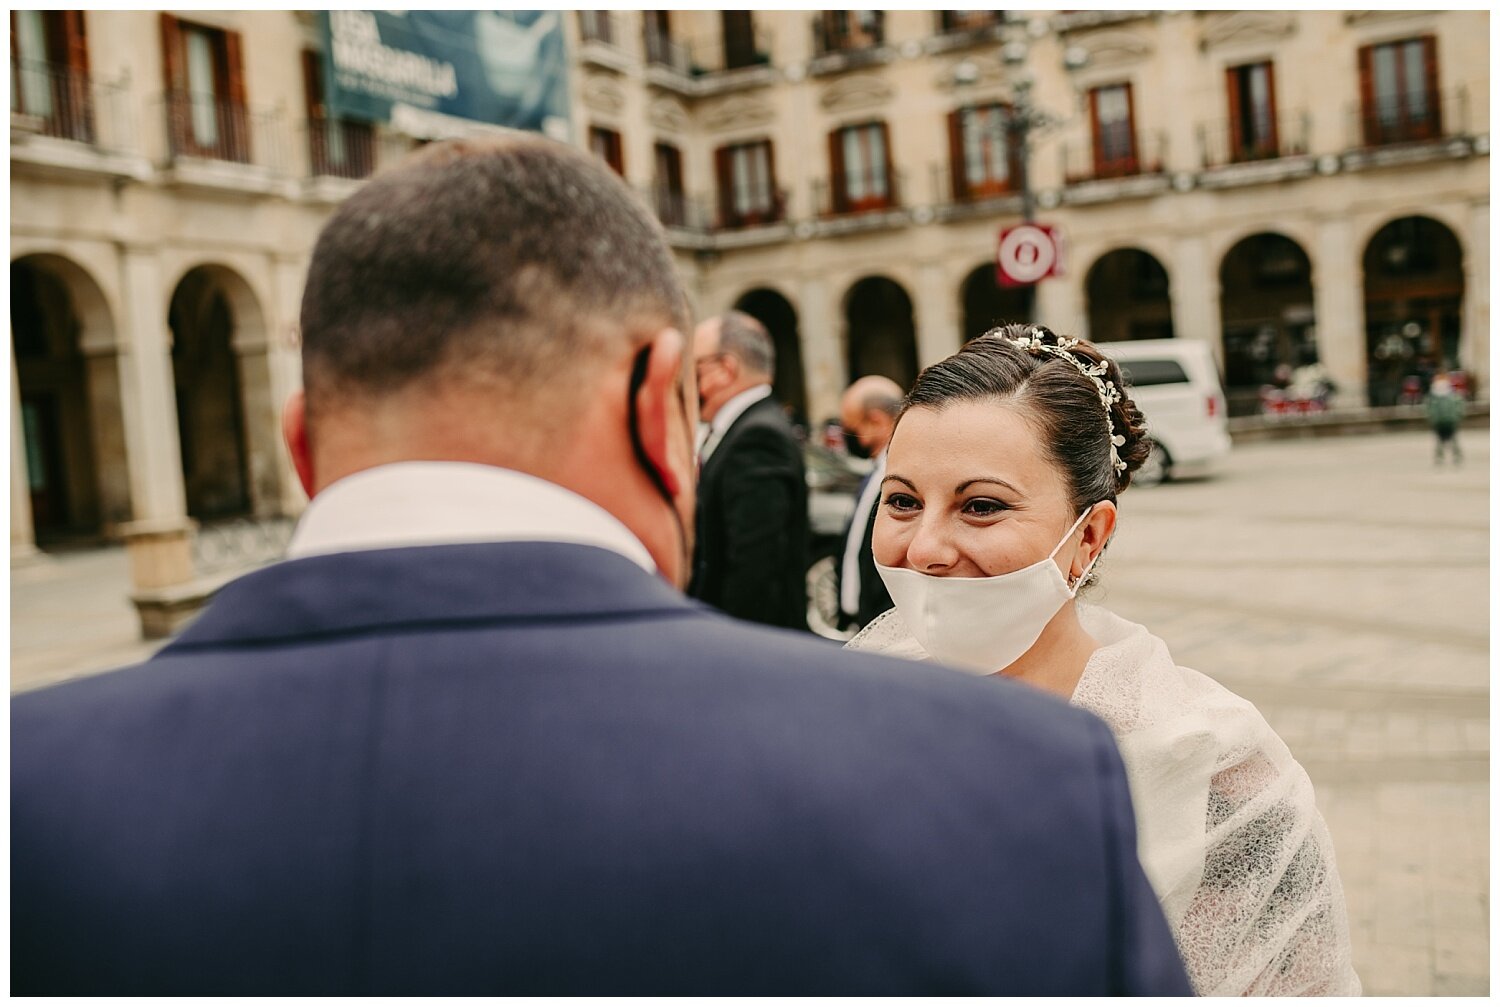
1438,116
598,26
341,149
1221,144
836,201
201,127
1082,163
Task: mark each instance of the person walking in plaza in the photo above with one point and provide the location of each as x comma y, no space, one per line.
471,738
752,521
868,415
1000,495
1445,411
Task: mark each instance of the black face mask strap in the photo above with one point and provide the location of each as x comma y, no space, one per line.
637,382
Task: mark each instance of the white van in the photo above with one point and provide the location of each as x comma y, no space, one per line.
1175,383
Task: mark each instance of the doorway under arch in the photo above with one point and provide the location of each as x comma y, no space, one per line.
881,334
67,371
986,304
1414,294
1128,297
776,313
226,418
1266,316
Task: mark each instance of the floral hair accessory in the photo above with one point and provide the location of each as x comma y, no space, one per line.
1109,393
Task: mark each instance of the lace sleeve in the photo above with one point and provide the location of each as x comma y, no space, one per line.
1268,918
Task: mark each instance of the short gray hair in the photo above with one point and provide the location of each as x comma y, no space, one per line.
748,340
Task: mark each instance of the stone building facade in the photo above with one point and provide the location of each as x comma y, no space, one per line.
1289,187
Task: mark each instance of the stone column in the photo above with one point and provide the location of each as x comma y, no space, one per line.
159,540
939,327
22,531
1195,295
1338,304
1474,342
823,358
148,396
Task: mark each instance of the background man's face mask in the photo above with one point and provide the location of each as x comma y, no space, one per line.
982,624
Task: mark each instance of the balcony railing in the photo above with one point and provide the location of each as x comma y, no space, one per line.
200,127
676,209
1219,145
341,149
942,181
731,219
56,100
1147,156
663,50
827,202
1441,115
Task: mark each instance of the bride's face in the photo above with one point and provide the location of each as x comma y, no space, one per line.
969,492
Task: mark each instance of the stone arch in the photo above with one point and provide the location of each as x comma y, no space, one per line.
66,349
985,304
880,330
1129,297
227,417
1266,316
777,313
1413,297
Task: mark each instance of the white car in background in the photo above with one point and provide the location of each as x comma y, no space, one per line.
1175,383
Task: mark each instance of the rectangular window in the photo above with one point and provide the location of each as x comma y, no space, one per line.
747,184
861,168
1114,131
667,185
1252,112
984,151
205,91
845,30
49,72
739,39
596,26
608,147
1398,84
337,148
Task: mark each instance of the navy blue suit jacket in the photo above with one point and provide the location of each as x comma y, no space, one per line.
534,767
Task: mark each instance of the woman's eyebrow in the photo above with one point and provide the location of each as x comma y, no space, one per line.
985,479
900,479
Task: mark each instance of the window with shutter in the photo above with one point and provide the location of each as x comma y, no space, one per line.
205,85
986,157
1398,88
738,27
667,185
608,146
861,168
1252,112
1113,122
747,184
50,72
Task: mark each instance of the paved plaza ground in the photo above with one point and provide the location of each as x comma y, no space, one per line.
1340,584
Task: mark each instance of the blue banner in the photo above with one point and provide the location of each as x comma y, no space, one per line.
435,74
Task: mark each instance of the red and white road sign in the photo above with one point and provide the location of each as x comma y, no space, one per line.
1028,253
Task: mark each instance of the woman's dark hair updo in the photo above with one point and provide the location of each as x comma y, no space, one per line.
1060,400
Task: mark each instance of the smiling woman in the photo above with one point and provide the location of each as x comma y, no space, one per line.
1000,495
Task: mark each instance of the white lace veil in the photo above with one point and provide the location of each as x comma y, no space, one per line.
1229,835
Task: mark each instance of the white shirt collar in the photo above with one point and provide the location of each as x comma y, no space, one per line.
435,503
727,414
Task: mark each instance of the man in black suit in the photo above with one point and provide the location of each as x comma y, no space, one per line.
751,560
868,415
469,738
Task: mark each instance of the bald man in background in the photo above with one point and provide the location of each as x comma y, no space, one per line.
868,414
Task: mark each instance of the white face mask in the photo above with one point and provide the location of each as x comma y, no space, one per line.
982,624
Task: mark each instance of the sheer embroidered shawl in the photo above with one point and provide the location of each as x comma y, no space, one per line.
1229,835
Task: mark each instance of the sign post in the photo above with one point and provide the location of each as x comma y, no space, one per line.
1027,254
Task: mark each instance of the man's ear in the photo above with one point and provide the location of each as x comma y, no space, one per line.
1097,529
657,400
294,430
